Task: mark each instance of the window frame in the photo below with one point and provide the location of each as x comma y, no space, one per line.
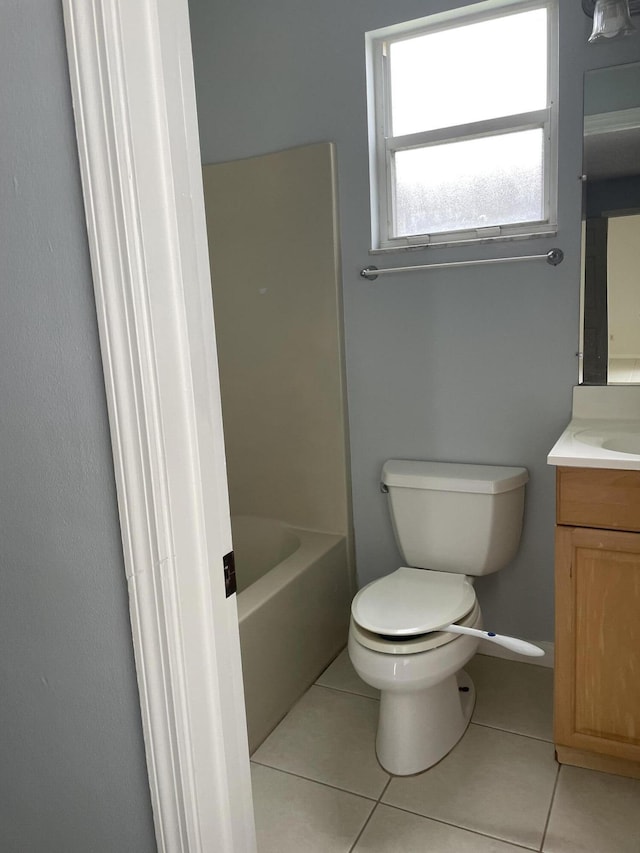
383,146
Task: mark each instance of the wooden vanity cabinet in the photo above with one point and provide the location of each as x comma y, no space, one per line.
597,668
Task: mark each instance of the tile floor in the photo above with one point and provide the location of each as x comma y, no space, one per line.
623,370
319,789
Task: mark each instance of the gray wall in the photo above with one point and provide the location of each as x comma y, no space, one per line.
72,771
471,365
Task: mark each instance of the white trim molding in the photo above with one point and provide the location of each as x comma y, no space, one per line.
134,101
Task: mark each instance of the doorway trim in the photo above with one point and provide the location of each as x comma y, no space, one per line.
133,92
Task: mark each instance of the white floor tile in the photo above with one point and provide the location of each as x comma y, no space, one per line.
493,782
329,736
294,815
394,831
515,697
493,791
340,675
594,812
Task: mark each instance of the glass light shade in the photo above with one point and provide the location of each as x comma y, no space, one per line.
611,19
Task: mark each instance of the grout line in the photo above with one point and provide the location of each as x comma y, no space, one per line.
457,826
383,791
378,801
364,826
366,823
471,722
553,796
511,732
344,690
318,782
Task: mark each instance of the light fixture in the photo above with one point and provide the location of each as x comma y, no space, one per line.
611,18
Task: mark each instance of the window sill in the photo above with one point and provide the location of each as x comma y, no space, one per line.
549,231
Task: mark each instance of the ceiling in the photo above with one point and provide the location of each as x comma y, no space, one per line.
612,154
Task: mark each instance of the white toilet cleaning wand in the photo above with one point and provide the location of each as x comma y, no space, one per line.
519,646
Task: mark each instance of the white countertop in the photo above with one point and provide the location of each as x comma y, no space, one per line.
604,431
581,444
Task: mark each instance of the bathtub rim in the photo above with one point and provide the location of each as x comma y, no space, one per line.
314,544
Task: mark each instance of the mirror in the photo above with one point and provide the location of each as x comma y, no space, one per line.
610,294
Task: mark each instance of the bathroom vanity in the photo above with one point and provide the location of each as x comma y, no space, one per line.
597,582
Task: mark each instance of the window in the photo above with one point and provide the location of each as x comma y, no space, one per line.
462,110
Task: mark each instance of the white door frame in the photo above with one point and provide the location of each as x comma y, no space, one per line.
132,83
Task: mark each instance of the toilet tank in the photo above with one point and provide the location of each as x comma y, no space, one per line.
455,517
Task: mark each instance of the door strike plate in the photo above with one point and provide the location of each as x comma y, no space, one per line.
229,563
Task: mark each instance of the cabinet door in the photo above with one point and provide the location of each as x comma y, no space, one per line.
597,690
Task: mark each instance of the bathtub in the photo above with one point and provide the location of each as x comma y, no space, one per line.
294,595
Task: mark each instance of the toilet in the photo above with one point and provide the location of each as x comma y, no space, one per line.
452,522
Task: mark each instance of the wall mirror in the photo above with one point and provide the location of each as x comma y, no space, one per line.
610,293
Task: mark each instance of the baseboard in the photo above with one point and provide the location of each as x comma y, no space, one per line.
598,761
487,648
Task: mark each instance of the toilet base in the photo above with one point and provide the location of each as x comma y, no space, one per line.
418,728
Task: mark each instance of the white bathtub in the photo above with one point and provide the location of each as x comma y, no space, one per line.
294,595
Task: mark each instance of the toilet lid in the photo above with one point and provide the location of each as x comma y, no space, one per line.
412,601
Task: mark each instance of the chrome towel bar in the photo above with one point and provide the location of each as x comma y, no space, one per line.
553,257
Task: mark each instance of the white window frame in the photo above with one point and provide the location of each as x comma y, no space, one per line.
383,146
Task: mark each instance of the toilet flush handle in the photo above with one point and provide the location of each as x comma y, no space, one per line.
522,647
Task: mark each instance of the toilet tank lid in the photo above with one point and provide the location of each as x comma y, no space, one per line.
452,476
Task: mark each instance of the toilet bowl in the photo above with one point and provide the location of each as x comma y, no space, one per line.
455,521
426,699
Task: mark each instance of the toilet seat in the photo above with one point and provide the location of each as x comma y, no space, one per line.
390,645
412,602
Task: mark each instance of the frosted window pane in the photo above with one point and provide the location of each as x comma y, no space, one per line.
469,73
476,183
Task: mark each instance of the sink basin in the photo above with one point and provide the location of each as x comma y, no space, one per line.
618,441
604,430
625,443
